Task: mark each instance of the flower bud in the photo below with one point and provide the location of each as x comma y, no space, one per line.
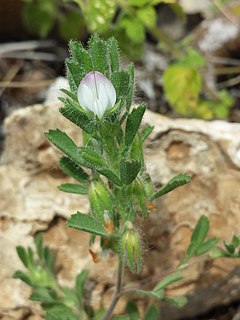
131,247
96,93
100,200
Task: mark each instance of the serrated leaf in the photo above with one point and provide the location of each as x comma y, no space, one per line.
152,313
110,175
64,143
73,170
120,81
133,123
130,90
167,281
75,72
73,188
86,223
129,170
113,54
81,55
77,117
99,55
93,157
177,181
178,302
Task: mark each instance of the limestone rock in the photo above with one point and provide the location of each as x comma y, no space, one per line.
30,202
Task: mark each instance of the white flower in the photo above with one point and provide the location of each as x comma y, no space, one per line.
96,93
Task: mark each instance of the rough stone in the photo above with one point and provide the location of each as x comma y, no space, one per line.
30,202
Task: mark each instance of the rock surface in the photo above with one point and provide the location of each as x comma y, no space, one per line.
30,202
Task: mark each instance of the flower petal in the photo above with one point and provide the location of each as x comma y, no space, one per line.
96,93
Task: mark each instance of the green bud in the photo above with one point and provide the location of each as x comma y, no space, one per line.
140,194
131,247
148,185
100,200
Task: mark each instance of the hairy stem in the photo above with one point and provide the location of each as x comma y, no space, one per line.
117,292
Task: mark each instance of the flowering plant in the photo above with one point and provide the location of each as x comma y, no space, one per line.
110,169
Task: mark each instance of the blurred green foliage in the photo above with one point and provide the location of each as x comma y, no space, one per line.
183,87
129,21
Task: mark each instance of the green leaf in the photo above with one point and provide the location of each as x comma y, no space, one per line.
197,240
120,81
152,313
86,223
182,86
39,246
73,170
110,175
73,188
129,170
77,117
133,28
80,282
230,247
133,123
130,90
167,281
23,255
22,276
177,181
147,15
92,157
42,295
75,73
132,311
81,55
114,54
178,302
200,231
99,55
235,241
206,246
193,59
146,132
158,295
61,312
64,143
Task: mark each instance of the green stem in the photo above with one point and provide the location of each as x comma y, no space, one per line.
117,293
